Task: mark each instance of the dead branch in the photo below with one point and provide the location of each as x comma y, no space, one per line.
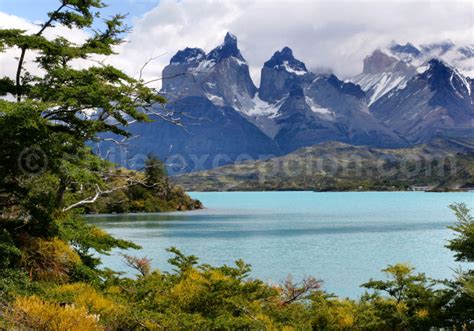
142,265
292,292
100,192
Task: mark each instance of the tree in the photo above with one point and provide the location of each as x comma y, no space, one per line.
459,296
156,176
410,302
463,243
155,170
48,172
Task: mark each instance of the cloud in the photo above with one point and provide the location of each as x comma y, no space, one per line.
336,35
326,35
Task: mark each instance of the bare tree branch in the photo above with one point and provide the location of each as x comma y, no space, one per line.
296,291
99,192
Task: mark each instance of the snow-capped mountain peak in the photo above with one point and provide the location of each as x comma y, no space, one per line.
280,73
437,100
382,73
284,60
390,69
188,56
346,87
378,62
440,75
408,48
438,49
467,51
228,49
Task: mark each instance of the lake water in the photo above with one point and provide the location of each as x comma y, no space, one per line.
342,238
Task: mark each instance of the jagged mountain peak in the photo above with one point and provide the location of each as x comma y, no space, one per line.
408,48
440,75
287,52
230,38
435,70
438,65
467,51
377,62
346,87
386,70
221,76
188,56
280,73
228,49
285,60
438,47
436,101
390,69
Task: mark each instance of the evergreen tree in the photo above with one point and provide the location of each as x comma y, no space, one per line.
459,297
155,170
47,172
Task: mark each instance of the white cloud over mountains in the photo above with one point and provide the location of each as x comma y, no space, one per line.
323,34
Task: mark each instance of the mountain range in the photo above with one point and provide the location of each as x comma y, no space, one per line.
405,96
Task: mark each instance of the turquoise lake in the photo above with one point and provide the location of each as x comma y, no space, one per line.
343,239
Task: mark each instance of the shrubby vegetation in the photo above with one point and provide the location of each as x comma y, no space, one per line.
50,272
200,296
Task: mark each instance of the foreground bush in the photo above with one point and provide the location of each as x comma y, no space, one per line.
49,259
35,314
200,296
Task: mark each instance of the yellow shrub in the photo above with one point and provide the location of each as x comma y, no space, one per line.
422,313
152,326
34,313
85,296
216,276
194,284
335,314
189,288
344,314
267,323
401,308
98,233
114,290
49,259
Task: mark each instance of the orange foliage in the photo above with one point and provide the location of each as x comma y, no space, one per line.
49,259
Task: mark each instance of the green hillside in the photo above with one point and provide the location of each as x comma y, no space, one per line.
443,164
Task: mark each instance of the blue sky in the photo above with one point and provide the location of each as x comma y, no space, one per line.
35,10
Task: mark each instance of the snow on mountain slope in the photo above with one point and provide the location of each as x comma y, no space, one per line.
262,108
437,101
222,76
315,108
461,57
411,99
292,70
263,114
381,83
390,68
280,73
383,73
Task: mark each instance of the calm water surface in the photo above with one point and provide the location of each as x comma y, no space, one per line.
342,238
